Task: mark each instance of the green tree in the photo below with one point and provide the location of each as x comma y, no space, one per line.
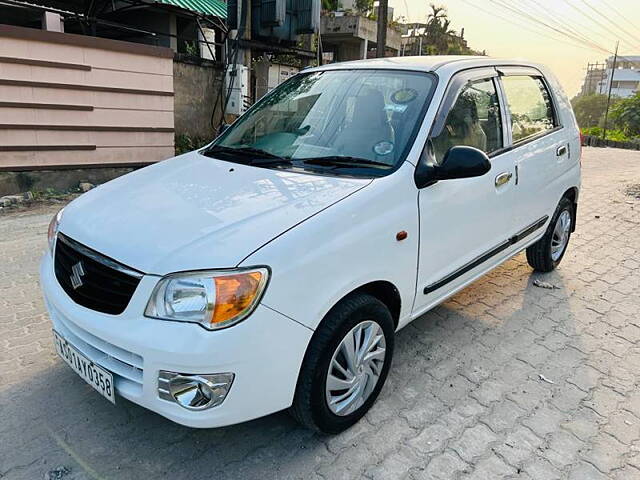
436,16
331,5
364,7
625,115
589,110
438,32
437,37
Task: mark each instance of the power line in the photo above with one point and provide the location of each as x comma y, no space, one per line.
621,15
519,11
606,17
535,18
541,9
596,21
560,30
532,28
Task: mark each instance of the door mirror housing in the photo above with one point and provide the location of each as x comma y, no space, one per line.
460,161
463,162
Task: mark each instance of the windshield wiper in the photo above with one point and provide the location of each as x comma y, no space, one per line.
265,158
259,162
242,151
343,161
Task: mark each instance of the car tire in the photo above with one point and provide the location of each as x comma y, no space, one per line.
546,254
316,405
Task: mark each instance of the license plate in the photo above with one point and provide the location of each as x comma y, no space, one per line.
94,375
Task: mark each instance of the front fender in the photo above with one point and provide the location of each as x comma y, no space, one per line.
349,244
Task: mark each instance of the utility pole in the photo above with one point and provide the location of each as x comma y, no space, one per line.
383,10
606,112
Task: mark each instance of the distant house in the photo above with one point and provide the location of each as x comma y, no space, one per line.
347,36
417,40
112,84
624,81
98,85
182,25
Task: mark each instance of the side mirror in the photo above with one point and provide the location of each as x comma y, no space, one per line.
463,162
459,162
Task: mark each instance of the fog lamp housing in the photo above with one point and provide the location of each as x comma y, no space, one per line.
194,391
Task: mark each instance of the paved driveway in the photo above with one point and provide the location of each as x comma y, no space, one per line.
504,380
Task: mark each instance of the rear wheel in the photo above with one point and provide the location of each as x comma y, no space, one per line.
346,365
546,253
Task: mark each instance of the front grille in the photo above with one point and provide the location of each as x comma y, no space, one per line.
127,367
93,280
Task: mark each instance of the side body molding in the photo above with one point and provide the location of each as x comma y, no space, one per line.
521,235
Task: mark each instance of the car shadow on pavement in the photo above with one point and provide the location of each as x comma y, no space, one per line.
443,363
55,418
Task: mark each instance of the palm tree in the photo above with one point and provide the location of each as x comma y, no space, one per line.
437,14
438,31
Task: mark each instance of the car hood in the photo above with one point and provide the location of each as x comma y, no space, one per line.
194,212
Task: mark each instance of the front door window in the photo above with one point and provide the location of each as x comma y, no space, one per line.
474,120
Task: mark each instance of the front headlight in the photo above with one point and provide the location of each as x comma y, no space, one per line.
52,233
215,299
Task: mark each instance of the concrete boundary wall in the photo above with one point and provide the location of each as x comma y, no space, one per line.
72,101
197,88
592,141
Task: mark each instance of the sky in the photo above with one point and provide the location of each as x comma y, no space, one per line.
489,25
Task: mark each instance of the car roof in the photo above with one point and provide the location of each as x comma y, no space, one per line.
426,63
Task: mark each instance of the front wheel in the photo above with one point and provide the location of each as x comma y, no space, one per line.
346,365
546,253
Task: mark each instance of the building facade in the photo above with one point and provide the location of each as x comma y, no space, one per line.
624,80
353,37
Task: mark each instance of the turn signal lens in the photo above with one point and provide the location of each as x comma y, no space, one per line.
214,299
234,295
52,233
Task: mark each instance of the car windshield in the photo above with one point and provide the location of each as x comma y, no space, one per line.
361,122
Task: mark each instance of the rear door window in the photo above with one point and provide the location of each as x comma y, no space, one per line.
530,106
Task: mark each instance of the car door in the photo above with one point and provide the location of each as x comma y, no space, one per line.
539,145
464,223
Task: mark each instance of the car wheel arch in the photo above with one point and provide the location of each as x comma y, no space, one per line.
383,290
572,195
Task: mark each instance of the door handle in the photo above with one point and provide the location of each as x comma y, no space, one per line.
561,151
503,178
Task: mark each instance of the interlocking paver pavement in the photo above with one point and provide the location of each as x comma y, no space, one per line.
505,380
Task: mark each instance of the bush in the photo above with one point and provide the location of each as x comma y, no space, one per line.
185,143
626,115
612,134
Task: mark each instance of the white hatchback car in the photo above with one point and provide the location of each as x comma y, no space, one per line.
271,269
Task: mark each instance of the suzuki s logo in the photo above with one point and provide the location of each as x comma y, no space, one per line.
76,275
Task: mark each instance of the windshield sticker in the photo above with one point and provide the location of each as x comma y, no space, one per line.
383,148
395,108
404,95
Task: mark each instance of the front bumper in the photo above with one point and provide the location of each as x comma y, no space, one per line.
264,352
